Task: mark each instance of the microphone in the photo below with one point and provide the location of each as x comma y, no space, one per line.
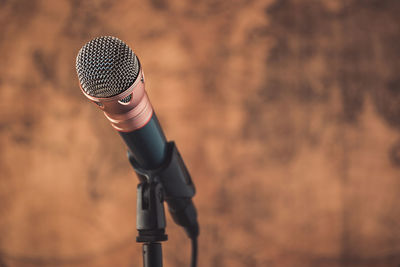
111,76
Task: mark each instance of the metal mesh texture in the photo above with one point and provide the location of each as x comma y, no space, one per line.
106,67
126,99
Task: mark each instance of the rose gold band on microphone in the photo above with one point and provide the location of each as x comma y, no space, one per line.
127,117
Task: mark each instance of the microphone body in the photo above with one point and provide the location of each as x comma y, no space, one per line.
111,76
147,144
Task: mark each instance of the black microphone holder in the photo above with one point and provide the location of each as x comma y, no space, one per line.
150,222
170,182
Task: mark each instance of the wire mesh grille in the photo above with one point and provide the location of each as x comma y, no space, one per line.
106,66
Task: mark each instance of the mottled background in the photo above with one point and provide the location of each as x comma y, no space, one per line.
286,112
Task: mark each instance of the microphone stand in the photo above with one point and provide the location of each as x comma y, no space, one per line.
170,182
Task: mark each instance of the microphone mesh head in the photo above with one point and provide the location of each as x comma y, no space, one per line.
106,67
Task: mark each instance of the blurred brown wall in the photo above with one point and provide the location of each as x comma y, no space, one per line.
286,112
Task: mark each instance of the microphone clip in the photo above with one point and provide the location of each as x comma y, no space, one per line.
171,182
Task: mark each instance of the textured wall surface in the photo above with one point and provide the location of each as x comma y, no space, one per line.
287,114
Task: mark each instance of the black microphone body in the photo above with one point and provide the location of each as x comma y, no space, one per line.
147,144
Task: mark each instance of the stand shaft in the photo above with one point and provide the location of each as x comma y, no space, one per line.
152,255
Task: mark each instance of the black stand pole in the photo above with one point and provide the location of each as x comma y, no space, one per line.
152,254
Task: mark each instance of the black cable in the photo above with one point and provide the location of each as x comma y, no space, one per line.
194,252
